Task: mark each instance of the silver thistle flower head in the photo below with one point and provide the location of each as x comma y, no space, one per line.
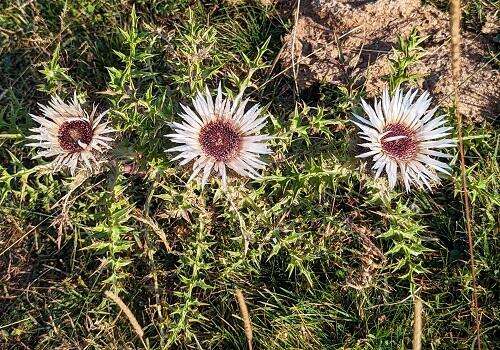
76,139
219,134
404,138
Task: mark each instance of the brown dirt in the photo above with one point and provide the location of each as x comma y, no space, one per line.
344,41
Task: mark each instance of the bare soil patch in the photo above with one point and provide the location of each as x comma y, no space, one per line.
345,41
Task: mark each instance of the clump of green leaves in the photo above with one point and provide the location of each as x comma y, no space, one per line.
193,276
407,52
407,249
111,233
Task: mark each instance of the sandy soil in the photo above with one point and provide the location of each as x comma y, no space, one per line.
341,41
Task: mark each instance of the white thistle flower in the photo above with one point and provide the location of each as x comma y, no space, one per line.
220,135
403,135
70,134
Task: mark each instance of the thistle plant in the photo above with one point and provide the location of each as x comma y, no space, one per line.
404,139
75,137
407,52
220,135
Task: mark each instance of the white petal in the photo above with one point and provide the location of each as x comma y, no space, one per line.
392,173
367,154
206,173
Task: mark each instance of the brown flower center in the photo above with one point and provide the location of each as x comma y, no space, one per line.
70,133
403,149
220,139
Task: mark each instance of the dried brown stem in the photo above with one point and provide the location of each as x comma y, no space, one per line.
133,321
455,71
245,315
417,323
